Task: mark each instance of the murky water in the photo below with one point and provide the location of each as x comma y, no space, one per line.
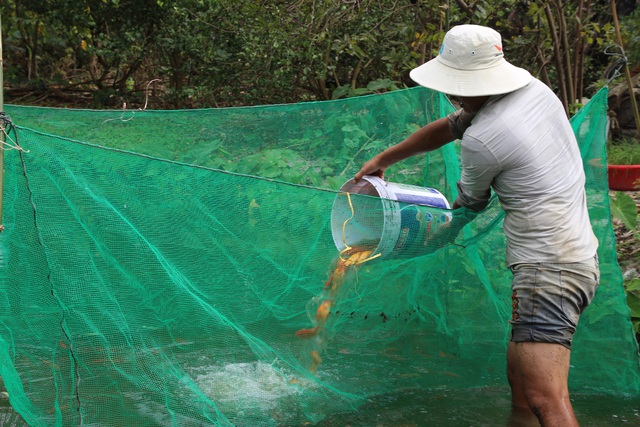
475,408
407,408
258,394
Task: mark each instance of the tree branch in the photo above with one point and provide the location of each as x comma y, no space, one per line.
556,50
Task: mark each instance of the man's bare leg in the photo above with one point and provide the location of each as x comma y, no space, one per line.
521,415
538,374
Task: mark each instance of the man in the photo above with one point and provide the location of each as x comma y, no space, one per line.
516,140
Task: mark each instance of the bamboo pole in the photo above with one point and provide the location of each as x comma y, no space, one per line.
632,94
2,128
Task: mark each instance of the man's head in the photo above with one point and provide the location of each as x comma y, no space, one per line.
471,63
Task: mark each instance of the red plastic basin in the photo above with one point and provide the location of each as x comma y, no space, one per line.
624,177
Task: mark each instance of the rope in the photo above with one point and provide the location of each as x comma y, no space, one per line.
614,70
6,127
344,238
5,123
133,113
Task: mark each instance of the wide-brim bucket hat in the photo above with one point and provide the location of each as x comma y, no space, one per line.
471,63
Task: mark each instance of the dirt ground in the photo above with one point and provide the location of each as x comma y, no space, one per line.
628,246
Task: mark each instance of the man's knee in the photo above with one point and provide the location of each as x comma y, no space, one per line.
539,401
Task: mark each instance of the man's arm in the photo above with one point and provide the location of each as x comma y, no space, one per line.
467,206
447,232
430,137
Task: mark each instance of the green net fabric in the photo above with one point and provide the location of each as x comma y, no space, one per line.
157,266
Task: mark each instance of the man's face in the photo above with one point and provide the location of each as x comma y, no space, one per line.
471,104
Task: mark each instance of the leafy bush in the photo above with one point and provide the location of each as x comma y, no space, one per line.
624,152
632,288
230,53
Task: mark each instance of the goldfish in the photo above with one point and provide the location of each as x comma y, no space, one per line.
358,257
308,332
349,257
337,276
316,360
323,312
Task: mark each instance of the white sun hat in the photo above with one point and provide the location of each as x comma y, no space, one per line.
471,63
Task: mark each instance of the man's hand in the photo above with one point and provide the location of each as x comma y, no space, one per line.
372,167
444,234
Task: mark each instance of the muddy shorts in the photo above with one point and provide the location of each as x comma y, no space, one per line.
547,299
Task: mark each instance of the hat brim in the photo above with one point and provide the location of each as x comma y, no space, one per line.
503,78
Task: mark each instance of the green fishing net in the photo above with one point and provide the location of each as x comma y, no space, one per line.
169,268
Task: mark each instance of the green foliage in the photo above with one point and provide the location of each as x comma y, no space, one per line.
283,164
373,87
632,289
624,208
631,27
624,152
213,54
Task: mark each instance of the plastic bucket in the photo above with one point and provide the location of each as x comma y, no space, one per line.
397,221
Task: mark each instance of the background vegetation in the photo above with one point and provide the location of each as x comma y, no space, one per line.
176,54
217,53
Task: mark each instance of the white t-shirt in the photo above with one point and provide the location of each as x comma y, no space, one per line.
522,145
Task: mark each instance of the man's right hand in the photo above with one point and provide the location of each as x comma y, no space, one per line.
372,167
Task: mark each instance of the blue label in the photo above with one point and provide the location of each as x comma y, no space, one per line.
409,227
419,199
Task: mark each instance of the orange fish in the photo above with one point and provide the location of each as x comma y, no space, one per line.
323,312
316,360
308,333
355,257
337,276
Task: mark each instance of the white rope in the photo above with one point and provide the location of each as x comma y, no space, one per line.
5,124
133,112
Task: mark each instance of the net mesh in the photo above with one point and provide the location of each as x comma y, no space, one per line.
174,268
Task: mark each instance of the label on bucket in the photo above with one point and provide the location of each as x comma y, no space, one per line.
417,195
416,227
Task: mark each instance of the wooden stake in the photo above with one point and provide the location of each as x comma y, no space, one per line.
2,128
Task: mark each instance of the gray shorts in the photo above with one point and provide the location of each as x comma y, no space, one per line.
547,299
